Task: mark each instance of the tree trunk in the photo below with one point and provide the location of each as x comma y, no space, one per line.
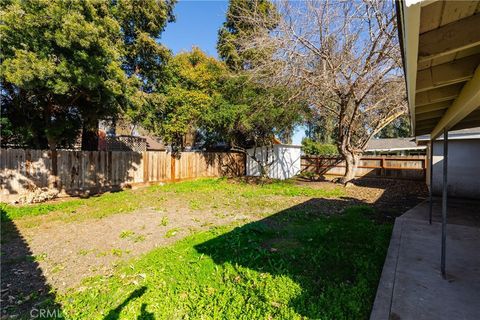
351,163
262,161
90,134
52,177
52,143
264,170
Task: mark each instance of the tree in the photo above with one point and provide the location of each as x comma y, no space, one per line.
67,64
320,127
144,59
248,115
398,128
194,83
235,29
23,123
311,147
60,63
142,23
344,59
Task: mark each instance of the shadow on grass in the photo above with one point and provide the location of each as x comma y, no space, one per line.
335,259
320,259
115,313
24,289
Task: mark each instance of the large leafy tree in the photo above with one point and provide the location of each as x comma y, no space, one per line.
248,115
67,64
142,23
145,58
193,85
60,62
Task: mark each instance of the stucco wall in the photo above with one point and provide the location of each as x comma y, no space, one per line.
463,168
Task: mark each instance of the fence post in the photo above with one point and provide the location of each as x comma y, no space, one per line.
145,167
172,167
382,170
244,163
424,167
28,163
52,179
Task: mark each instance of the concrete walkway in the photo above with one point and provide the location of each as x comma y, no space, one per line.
411,285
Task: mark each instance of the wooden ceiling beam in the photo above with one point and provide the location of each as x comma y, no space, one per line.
427,124
430,115
453,37
433,107
473,120
438,95
446,74
409,11
464,104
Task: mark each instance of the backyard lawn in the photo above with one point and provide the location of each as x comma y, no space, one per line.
203,249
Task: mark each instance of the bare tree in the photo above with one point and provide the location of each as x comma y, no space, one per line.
343,57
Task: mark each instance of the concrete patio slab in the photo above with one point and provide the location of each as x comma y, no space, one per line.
411,285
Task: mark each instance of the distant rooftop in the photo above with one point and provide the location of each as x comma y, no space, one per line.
471,133
392,144
154,144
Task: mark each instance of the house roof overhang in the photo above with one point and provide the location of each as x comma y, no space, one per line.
440,43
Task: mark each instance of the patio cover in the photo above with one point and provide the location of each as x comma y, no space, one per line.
441,53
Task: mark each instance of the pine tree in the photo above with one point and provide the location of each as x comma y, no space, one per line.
237,27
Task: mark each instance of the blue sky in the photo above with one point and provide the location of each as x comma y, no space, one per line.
197,24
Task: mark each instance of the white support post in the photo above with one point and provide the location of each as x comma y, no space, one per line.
431,181
444,202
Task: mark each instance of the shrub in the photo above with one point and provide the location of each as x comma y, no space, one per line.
311,147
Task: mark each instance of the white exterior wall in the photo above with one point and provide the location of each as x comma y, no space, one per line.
463,168
286,161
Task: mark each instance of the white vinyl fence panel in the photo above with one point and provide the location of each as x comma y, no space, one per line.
285,159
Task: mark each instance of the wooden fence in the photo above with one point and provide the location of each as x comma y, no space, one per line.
74,172
399,167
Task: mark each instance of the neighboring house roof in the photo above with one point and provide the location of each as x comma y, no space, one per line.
276,140
464,134
153,144
392,144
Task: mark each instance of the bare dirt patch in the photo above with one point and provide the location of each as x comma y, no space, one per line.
70,252
390,197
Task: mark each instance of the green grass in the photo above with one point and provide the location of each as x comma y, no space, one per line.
164,222
94,207
126,234
198,194
15,212
294,264
278,188
132,236
172,232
